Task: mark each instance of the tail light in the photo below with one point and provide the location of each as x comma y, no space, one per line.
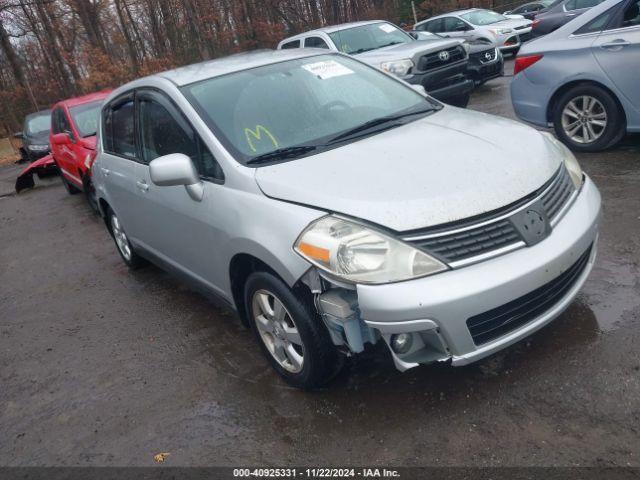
525,62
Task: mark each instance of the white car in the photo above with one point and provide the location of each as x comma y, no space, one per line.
479,24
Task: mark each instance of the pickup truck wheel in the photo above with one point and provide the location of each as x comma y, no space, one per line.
126,251
588,119
71,189
290,332
461,101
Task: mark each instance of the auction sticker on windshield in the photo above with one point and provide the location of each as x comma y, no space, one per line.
385,27
327,69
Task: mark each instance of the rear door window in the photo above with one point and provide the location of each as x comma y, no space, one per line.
292,44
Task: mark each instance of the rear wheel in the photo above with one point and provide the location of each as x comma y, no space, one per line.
588,119
126,251
290,332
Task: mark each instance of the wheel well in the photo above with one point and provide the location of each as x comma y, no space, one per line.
241,266
558,93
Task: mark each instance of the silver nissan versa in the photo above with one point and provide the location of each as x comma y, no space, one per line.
334,206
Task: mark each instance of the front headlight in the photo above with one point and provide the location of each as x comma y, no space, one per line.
38,148
358,254
399,68
466,47
500,31
569,159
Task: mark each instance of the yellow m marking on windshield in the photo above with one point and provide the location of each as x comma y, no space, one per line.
256,134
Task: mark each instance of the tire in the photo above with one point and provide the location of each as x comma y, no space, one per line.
90,193
125,249
317,361
461,101
71,189
571,107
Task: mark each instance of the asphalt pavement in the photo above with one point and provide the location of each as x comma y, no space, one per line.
102,366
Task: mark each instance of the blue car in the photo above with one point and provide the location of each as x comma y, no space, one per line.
584,78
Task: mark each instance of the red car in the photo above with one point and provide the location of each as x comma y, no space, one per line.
73,141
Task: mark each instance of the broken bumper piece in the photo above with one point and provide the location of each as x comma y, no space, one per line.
42,167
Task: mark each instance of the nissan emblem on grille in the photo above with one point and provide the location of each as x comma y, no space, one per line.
532,223
443,55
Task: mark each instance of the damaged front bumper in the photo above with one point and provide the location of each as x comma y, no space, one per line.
441,315
43,167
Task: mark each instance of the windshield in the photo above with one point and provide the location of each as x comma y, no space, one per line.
39,123
483,17
305,101
368,37
86,118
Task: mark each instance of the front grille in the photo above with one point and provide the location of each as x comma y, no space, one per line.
464,240
485,56
436,60
511,40
525,37
555,198
499,321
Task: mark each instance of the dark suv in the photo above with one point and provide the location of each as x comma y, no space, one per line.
558,14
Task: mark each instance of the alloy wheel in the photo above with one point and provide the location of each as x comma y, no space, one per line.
121,238
278,331
584,119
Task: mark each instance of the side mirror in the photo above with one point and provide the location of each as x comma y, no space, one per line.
414,35
19,135
462,28
420,89
508,12
177,169
60,139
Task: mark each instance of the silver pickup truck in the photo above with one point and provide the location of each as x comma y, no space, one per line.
439,66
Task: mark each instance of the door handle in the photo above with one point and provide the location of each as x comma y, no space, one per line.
615,44
105,171
142,185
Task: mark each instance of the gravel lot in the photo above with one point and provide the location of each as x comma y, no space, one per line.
101,366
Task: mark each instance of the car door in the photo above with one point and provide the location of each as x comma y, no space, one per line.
63,153
457,28
181,231
118,163
617,50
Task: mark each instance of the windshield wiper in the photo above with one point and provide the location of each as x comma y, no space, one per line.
391,121
282,153
389,44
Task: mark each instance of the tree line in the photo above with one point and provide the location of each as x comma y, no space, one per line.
55,49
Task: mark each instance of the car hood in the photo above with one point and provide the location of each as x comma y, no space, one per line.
445,167
412,50
40,138
510,23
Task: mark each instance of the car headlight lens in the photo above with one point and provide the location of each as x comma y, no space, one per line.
38,148
400,67
358,254
466,47
500,31
569,159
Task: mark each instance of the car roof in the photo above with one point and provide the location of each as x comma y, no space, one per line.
234,63
456,13
91,97
337,28
38,113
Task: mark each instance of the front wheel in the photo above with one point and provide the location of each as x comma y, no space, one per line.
587,118
290,332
